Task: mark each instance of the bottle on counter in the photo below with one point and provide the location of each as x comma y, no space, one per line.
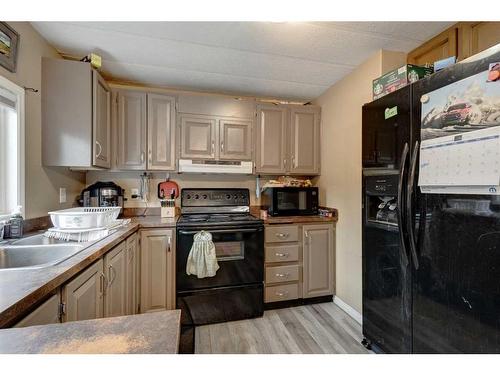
16,224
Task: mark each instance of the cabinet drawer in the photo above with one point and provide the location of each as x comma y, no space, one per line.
283,253
282,233
281,292
279,274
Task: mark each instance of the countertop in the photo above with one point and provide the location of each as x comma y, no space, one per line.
149,333
22,289
255,211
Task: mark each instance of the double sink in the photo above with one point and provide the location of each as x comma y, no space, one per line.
36,251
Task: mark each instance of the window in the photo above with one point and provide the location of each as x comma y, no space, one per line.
11,146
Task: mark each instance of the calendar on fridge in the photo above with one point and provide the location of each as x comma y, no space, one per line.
460,133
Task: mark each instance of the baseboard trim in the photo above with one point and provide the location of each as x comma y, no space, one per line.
348,309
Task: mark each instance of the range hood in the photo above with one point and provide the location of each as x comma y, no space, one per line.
215,166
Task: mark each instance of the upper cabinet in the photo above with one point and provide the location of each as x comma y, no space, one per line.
287,139
198,136
235,139
144,131
270,144
76,115
131,130
462,40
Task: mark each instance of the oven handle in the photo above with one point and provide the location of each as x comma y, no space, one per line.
246,230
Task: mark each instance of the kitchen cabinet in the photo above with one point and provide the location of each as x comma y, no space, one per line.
76,115
83,297
318,260
440,47
198,137
116,272
270,144
157,270
161,132
133,272
287,140
131,130
46,313
235,139
304,140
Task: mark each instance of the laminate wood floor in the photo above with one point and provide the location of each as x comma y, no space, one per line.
314,329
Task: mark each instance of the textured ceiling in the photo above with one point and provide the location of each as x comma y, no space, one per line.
283,60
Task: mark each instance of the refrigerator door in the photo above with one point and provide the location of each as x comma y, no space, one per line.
386,128
456,279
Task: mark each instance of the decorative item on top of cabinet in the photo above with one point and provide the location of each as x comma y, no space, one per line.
76,115
47,313
157,270
83,297
116,271
318,263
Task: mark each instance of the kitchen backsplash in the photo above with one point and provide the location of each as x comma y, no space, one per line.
131,180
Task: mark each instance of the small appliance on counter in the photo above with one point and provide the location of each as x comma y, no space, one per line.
102,194
290,201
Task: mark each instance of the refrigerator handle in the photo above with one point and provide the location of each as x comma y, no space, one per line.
404,156
409,205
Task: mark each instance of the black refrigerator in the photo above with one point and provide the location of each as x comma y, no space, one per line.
431,242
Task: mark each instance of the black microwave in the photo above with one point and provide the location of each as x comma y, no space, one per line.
290,201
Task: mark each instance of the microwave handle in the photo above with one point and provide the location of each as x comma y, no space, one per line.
246,230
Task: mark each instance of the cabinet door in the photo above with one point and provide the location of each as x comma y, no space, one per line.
132,292
46,313
440,47
475,37
270,143
84,295
235,139
318,262
101,122
157,270
304,141
198,137
115,269
161,132
131,130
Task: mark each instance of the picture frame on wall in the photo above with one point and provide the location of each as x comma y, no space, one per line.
9,42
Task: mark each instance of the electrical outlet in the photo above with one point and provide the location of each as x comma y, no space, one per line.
62,195
134,193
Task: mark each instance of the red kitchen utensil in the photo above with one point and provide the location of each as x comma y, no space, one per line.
167,189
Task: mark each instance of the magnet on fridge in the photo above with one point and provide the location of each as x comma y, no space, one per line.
424,98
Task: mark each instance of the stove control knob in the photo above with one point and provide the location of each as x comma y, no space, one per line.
196,196
188,196
204,196
228,196
235,196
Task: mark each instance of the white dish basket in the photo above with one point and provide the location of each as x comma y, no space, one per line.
84,217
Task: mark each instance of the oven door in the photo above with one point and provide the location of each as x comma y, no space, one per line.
240,254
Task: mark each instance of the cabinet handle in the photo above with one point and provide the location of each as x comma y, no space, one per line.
142,156
112,275
283,275
213,146
168,242
282,255
100,149
150,156
282,294
284,163
102,281
222,146
294,164
282,235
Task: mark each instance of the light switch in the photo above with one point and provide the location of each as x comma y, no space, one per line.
62,195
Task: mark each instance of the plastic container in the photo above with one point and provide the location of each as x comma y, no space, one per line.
16,223
84,217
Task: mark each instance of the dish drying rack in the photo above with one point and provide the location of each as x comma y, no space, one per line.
84,224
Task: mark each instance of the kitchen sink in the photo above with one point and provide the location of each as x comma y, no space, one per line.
36,252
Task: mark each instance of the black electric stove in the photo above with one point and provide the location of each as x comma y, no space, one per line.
237,290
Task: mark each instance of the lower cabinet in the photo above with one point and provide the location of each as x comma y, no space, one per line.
318,260
46,313
299,261
83,297
115,269
133,272
157,270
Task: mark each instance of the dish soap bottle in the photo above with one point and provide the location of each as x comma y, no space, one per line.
16,223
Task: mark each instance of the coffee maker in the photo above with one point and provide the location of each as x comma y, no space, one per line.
102,194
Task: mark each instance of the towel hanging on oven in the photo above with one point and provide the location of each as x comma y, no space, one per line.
202,259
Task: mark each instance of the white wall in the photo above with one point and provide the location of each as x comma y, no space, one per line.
340,180
42,184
